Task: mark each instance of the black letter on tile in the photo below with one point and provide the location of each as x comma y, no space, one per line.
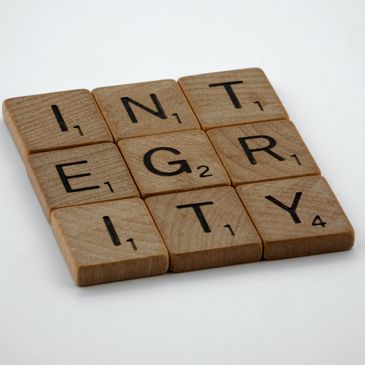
111,230
59,118
267,149
160,113
184,166
65,178
198,212
291,210
227,86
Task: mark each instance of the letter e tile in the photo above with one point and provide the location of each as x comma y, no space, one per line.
80,175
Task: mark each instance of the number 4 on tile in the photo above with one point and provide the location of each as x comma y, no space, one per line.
317,221
292,210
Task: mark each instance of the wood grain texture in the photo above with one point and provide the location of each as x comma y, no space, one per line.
199,238
109,241
262,151
192,218
316,224
250,98
55,120
168,111
177,161
92,174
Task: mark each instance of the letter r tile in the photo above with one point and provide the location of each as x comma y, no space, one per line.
205,228
173,162
297,217
232,97
80,175
262,151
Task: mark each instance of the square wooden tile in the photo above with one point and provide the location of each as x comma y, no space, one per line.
297,217
109,241
55,120
173,162
232,97
80,175
205,228
145,108
262,151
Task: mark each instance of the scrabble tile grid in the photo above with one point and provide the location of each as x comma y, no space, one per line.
243,114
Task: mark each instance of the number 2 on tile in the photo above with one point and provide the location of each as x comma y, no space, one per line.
205,171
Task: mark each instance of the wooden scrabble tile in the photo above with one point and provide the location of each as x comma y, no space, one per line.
80,175
262,151
232,97
109,241
53,121
205,228
145,108
173,162
297,217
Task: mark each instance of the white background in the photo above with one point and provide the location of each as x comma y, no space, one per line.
309,310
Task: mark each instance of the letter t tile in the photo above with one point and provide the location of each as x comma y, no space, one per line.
205,228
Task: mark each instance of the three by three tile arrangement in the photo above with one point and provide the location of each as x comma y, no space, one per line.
225,176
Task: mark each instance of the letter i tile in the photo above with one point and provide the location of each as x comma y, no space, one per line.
205,228
55,120
109,241
297,217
